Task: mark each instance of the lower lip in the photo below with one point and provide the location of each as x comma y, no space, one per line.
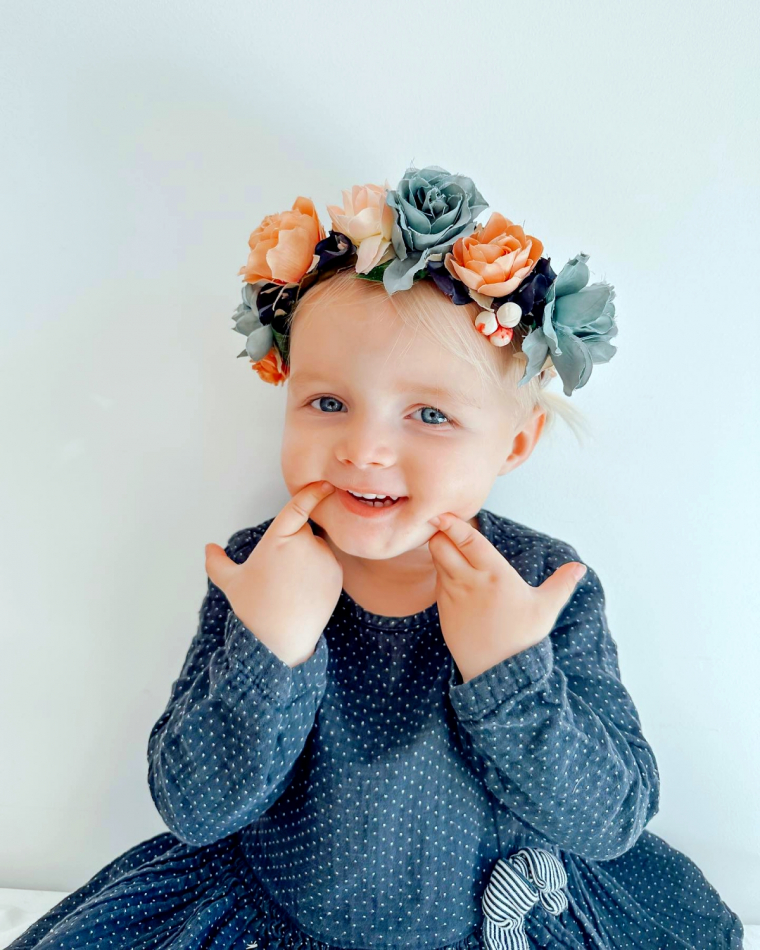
367,511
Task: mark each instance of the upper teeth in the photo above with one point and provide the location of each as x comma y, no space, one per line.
356,493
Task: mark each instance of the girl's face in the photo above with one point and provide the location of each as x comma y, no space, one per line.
373,407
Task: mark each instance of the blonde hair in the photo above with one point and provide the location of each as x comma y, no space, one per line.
424,307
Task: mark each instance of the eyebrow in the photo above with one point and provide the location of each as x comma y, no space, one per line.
434,392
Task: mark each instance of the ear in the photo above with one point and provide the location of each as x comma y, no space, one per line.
525,440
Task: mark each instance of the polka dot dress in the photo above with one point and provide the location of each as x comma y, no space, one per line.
363,798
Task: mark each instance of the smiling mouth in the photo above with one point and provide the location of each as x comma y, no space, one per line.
354,501
387,502
369,491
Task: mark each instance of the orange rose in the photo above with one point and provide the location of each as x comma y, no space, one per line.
282,246
495,259
271,368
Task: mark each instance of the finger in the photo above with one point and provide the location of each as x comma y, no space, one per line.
473,547
219,567
297,511
560,586
447,559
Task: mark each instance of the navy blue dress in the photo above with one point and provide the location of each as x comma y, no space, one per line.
368,798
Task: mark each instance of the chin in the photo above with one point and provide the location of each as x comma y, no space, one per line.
391,540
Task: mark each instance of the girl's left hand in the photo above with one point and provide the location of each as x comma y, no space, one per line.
487,611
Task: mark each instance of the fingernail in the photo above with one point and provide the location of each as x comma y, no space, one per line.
326,485
579,571
436,520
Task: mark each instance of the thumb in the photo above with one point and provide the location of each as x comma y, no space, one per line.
219,567
560,586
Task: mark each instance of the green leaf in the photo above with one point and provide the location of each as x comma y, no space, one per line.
376,273
282,342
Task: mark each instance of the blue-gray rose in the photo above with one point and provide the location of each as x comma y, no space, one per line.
259,338
578,323
433,208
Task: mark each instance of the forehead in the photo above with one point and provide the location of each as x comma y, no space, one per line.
358,340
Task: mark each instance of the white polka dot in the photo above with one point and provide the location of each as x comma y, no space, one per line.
363,798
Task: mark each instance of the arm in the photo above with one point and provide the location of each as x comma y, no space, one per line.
225,747
555,735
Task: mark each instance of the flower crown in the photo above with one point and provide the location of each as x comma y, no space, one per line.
425,229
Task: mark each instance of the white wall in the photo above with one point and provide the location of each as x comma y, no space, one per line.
143,142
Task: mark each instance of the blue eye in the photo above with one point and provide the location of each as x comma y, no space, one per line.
438,411
435,425
325,398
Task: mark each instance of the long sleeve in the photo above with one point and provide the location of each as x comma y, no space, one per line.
225,747
555,735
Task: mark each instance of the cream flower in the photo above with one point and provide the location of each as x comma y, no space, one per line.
366,220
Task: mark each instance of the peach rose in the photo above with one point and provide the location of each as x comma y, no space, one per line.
271,368
366,220
282,246
495,259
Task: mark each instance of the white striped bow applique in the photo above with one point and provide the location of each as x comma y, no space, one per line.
527,876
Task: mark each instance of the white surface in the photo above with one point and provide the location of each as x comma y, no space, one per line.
145,141
20,908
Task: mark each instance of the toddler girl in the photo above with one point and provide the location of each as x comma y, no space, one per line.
401,722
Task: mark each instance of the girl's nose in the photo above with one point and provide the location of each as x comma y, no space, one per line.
366,443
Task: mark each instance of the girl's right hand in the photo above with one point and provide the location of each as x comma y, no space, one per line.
287,590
